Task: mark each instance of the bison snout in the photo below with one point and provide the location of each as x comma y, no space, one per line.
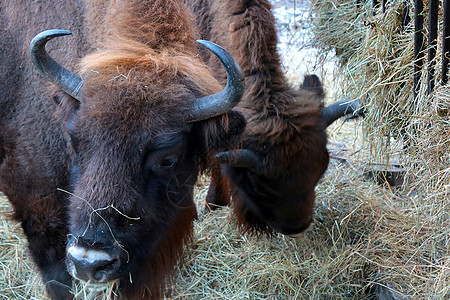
293,229
92,264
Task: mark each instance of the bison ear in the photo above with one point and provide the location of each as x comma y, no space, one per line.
313,84
221,133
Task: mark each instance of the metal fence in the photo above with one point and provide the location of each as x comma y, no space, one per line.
432,38
419,43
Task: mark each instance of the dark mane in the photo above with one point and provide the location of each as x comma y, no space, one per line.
137,25
247,28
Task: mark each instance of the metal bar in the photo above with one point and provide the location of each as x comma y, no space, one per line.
383,7
432,41
446,42
418,44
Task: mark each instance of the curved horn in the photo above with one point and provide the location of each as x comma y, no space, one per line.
217,104
243,158
339,109
68,81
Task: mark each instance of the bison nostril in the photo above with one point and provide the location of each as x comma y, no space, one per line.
103,269
94,265
106,266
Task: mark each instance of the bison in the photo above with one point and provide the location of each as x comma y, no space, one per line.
283,156
100,166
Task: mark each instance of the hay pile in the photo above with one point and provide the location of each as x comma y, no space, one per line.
18,278
377,54
337,26
362,235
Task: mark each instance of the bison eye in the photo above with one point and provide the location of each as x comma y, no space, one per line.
168,163
164,165
161,162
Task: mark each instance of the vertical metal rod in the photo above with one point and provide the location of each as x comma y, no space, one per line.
432,42
446,42
383,7
418,44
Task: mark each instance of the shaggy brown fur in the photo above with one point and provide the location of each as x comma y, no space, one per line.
114,172
283,124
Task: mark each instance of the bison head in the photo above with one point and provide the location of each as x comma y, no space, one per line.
283,157
137,127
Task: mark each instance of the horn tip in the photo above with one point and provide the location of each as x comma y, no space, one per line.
43,37
210,45
51,33
222,157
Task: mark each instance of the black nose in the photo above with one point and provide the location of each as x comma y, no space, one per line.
92,264
293,228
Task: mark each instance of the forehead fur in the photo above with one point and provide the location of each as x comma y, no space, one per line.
143,46
296,115
291,134
153,66
156,88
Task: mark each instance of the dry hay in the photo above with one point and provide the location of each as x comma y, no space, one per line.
360,236
18,277
378,70
337,26
363,234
